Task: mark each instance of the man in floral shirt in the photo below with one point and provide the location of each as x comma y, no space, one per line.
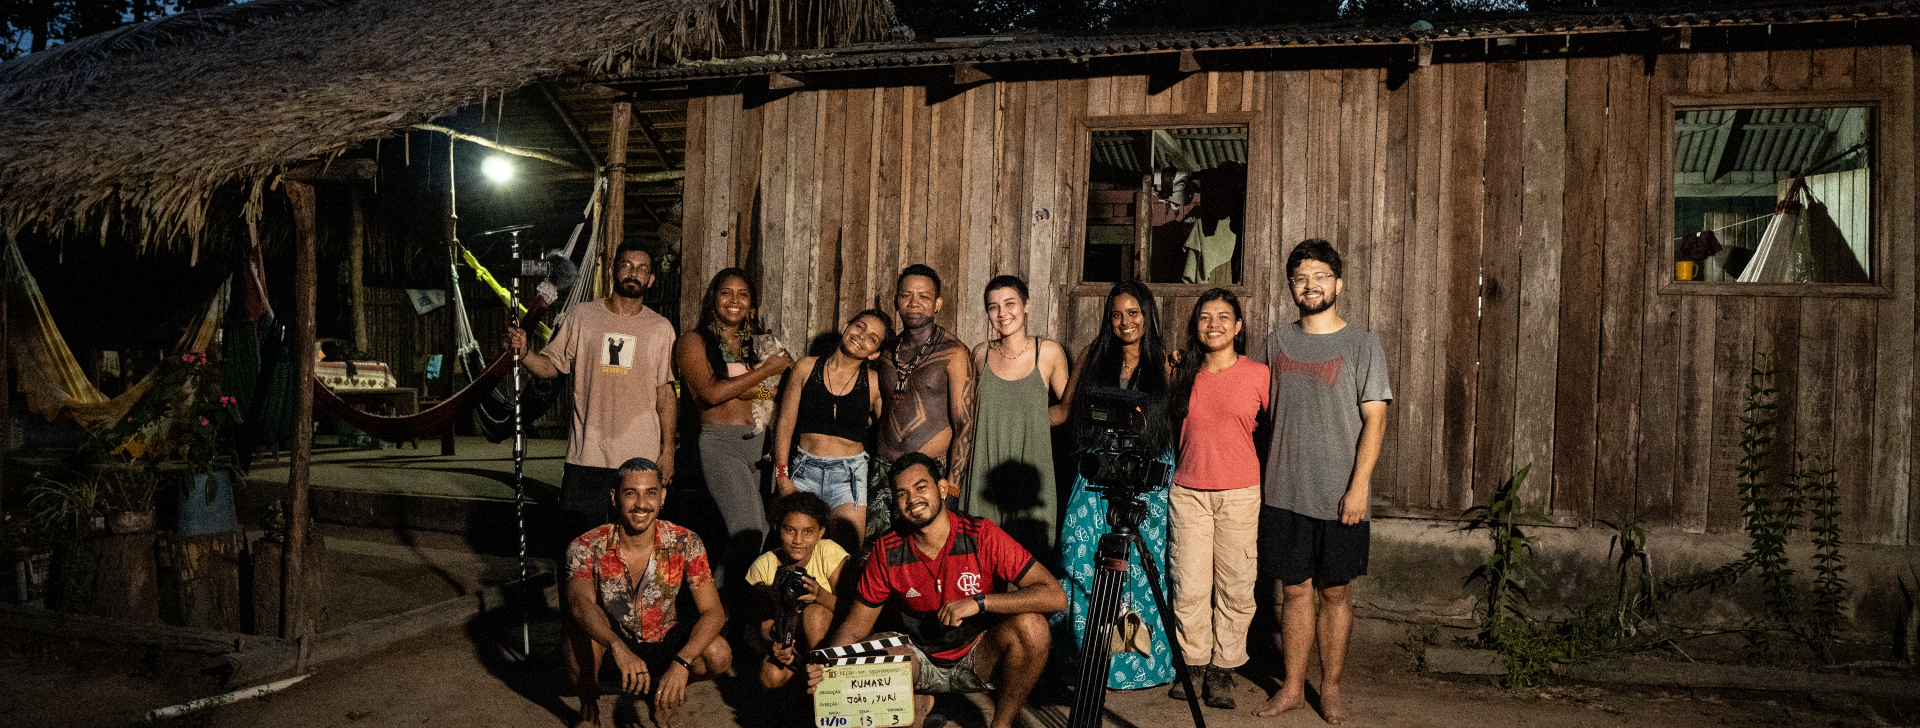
624,579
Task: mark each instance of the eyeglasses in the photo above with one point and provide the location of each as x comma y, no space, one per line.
1302,281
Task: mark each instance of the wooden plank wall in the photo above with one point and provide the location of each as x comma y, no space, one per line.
1500,234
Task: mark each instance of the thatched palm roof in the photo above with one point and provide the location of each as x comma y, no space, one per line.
144,124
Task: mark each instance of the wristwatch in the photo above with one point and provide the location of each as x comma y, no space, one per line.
980,600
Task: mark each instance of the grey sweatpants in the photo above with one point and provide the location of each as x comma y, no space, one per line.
729,458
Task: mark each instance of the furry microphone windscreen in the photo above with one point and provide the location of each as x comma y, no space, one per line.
561,275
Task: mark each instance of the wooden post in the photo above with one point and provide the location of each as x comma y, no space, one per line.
357,281
616,188
453,281
6,375
293,622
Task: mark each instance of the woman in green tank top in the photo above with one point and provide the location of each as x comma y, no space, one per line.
1019,379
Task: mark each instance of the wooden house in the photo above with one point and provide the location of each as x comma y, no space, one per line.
1511,198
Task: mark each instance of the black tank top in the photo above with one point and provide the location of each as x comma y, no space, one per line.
845,416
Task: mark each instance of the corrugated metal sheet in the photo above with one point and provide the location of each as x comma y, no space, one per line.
1712,144
1035,47
1205,148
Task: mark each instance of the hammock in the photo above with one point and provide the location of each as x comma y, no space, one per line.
1775,255
436,419
50,376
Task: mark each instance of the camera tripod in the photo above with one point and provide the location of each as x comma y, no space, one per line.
1111,558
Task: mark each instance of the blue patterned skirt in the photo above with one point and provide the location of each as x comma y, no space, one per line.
1085,522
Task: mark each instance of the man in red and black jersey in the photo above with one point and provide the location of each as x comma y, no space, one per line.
971,598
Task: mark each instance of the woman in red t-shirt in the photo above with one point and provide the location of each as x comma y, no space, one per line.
1218,397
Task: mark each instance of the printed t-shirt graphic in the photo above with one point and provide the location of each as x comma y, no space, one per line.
978,559
613,362
1318,384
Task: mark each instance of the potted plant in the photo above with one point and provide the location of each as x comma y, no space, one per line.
128,495
69,513
183,426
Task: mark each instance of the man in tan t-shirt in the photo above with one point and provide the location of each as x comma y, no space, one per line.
620,354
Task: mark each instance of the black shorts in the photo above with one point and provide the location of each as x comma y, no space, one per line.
657,655
1295,548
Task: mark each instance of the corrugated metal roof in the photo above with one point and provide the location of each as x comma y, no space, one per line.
1039,47
1710,144
1203,148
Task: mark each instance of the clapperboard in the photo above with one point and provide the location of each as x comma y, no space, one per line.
858,648
862,688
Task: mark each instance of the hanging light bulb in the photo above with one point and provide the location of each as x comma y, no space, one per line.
498,169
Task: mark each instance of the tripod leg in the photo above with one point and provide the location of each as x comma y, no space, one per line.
1167,624
1096,655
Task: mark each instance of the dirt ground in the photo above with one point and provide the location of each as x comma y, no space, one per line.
469,676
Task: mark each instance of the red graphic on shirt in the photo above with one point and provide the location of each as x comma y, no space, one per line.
1328,372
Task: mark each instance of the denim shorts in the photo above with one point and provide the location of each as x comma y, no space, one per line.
838,481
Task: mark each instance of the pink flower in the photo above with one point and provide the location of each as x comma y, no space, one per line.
186,357
203,422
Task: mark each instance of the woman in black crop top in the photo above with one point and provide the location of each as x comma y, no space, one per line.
819,445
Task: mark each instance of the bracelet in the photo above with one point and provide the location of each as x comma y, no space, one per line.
764,394
682,661
980,600
781,471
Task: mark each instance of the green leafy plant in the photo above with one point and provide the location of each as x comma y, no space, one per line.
1509,565
1771,515
183,418
1822,494
65,509
127,490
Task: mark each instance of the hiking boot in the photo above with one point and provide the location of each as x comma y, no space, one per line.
1179,689
1218,692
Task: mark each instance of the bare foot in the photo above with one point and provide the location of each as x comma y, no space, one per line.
922,705
1333,706
589,713
1289,698
662,717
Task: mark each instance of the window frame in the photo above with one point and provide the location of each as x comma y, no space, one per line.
1881,283
1083,160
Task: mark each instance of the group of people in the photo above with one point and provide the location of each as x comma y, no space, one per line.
917,475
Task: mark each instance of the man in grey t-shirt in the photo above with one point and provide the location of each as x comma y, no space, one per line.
1329,404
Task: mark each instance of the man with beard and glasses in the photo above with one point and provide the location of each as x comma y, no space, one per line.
623,580
1329,398
949,575
620,354
927,377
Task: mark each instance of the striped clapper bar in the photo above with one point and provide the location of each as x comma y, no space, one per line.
859,648
867,660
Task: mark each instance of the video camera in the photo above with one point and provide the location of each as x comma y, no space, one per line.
789,585
1118,452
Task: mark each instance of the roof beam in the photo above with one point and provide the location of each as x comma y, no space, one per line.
653,140
1188,63
784,81
1726,149
572,124
967,74
491,144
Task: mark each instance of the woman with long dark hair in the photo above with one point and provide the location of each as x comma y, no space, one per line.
1127,354
725,376
1218,397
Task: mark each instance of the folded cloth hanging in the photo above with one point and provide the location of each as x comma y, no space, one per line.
50,376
